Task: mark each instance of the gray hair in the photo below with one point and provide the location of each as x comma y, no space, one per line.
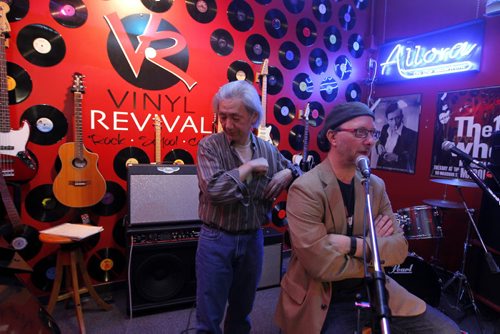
242,90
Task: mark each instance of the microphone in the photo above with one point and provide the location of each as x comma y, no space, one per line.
363,164
449,146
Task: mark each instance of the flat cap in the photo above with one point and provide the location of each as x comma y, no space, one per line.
342,113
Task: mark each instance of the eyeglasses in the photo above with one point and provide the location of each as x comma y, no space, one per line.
362,132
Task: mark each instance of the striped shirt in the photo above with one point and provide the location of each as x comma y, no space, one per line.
224,200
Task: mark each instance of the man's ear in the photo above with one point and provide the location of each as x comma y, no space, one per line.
331,137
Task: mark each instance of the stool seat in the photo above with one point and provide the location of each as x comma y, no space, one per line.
69,257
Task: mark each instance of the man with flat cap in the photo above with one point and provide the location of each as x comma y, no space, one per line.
325,212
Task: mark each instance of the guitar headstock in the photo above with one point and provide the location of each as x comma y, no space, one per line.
307,112
157,122
78,86
4,23
265,67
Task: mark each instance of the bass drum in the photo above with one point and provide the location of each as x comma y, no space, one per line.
418,277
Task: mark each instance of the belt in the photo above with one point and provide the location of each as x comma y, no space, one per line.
217,227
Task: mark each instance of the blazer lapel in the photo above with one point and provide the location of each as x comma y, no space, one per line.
335,219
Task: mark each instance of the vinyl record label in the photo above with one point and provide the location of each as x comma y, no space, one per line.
289,55
69,13
19,83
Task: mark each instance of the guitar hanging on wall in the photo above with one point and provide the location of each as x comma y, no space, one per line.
79,183
15,162
305,161
264,132
157,125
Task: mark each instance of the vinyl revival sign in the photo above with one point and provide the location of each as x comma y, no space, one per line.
452,50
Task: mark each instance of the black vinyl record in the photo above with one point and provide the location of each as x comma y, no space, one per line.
41,45
295,6
318,61
127,156
302,86
257,48
356,45
69,13
263,2
328,89
19,83
332,38
323,144
343,67
222,42
289,55
279,214
322,10
347,17
316,157
276,23
287,154
306,31
361,4
296,137
284,111
112,202
158,6
275,135
18,10
44,273
179,156
23,238
317,114
353,92
203,11
119,233
274,80
48,125
42,205
240,15
106,265
240,70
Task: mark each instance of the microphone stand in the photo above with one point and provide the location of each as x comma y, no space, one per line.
480,182
378,277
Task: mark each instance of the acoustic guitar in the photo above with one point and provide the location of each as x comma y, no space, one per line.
16,163
157,125
305,161
79,183
264,132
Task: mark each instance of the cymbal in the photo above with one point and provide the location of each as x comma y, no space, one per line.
442,203
456,182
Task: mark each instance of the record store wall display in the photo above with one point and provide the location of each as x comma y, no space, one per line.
94,80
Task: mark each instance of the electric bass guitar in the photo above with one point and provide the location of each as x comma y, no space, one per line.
16,164
305,161
264,132
79,183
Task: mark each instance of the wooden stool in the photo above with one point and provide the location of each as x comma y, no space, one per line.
70,256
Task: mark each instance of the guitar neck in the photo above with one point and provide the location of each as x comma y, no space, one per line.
4,97
264,101
157,144
306,139
78,96
8,203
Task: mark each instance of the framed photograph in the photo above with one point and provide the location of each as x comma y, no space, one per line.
397,120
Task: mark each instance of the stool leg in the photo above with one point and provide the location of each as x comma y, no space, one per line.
56,287
76,291
90,288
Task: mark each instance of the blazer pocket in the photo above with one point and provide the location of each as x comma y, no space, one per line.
294,290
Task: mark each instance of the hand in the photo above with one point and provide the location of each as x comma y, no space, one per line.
279,181
259,166
383,226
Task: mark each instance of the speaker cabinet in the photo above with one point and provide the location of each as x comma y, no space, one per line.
272,262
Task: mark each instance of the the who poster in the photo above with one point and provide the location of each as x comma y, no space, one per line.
467,119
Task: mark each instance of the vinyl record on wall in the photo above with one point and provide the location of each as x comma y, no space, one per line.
284,111
287,154
355,45
296,137
289,55
328,89
19,83
318,61
322,143
279,214
343,67
332,38
106,265
322,10
42,205
257,48
306,31
112,202
178,156
275,135
203,11
316,157
275,23
240,15
22,238
347,17
317,114
44,273
294,6
222,42
361,4
274,80
127,156
48,125
119,232
157,6
240,70
69,13
18,10
41,45
353,92
302,86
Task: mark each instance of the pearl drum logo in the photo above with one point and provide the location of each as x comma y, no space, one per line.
148,52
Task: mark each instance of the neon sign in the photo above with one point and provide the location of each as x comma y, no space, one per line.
452,50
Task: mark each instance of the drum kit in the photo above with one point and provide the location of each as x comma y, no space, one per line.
424,222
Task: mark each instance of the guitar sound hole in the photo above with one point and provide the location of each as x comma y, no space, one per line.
79,163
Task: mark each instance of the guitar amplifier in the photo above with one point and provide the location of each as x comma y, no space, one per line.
162,194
